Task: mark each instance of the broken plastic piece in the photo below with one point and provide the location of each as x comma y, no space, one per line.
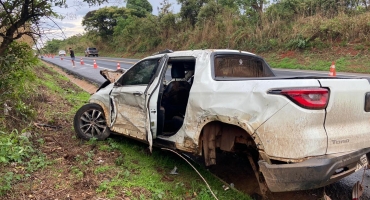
7,109
174,171
357,190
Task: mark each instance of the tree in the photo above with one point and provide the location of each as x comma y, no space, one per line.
140,7
17,18
52,45
255,5
228,3
103,20
165,8
22,17
190,9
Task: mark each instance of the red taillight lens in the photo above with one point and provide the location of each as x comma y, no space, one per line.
310,98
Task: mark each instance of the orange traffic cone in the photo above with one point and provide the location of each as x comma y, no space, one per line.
61,57
332,71
82,62
118,66
52,55
95,65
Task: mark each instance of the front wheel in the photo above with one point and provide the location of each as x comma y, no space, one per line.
90,122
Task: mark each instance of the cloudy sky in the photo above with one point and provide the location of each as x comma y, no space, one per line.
71,24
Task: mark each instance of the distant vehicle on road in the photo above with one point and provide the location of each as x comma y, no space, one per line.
91,51
62,53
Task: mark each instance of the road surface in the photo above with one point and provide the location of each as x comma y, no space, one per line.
337,191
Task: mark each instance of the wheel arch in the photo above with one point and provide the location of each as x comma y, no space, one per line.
226,132
105,110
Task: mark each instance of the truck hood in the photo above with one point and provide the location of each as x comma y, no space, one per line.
112,75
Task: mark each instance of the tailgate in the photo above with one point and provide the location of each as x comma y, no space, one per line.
347,124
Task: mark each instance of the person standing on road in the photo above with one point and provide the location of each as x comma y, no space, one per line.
72,54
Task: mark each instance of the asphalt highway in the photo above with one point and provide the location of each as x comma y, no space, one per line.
88,71
339,190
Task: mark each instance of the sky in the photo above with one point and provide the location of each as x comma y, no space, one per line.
71,24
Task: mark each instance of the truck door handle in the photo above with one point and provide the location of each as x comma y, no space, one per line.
137,93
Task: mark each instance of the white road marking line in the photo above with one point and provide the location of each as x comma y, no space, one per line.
92,66
120,61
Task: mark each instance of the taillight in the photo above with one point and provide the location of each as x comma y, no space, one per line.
310,98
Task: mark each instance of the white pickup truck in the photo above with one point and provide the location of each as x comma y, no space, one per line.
298,132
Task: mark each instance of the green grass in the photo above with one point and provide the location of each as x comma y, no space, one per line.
18,150
136,169
356,64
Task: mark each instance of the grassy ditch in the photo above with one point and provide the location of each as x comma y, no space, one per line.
45,160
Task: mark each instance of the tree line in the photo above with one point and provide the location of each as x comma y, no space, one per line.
255,25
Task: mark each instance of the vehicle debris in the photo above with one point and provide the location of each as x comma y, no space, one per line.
7,109
46,126
357,191
174,171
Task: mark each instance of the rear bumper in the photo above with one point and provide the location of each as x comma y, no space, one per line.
312,173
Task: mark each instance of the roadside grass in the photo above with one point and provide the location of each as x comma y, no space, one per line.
358,63
53,163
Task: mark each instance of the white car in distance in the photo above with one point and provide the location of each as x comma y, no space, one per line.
62,53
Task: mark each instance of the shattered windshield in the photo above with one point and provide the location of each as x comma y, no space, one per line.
141,73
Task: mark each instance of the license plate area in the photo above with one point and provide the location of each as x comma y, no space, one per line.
362,163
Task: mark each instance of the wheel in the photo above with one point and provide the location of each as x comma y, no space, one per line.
90,122
97,55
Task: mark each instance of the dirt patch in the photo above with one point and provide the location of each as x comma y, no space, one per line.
85,85
69,176
287,54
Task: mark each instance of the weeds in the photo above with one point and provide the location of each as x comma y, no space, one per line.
14,148
19,151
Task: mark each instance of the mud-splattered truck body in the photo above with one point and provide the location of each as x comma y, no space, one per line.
301,132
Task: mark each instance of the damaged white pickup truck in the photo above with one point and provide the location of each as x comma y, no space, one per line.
299,133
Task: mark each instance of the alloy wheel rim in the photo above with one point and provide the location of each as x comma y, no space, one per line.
92,123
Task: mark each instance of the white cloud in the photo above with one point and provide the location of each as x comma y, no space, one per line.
71,24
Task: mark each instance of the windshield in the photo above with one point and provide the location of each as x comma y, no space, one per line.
92,49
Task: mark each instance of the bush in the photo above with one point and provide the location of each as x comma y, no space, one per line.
15,71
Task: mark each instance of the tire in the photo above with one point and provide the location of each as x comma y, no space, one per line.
97,55
90,122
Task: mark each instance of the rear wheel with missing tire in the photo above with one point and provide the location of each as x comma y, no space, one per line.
90,122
